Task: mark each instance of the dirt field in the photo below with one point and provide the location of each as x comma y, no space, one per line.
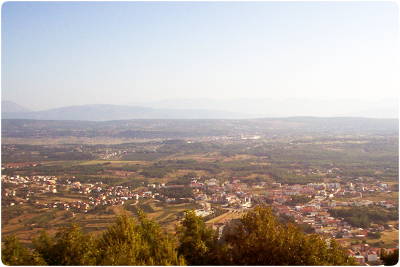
376,197
225,216
390,237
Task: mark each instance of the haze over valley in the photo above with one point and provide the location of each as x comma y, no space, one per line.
203,108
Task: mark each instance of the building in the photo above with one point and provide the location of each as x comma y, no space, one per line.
371,256
359,259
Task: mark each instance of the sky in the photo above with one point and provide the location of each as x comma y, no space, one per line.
56,54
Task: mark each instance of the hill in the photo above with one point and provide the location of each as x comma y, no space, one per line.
211,109
267,107
11,107
118,112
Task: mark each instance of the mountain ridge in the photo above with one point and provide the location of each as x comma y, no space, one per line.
203,108
105,112
268,107
10,106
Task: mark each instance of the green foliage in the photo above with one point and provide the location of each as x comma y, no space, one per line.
285,219
183,180
299,199
162,247
363,216
390,259
154,172
121,244
376,235
134,183
13,253
69,247
43,245
129,168
196,242
177,192
126,243
260,240
257,240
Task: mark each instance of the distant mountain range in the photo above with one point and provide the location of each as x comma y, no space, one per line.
119,112
211,109
9,106
267,107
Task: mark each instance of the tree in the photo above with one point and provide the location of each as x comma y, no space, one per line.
338,255
197,243
390,259
13,253
125,243
261,240
44,246
69,247
73,247
162,247
121,244
258,240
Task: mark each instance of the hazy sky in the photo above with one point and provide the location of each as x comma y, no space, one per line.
72,53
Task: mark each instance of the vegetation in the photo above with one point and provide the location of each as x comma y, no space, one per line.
258,240
363,216
126,243
123,243
390,259
196,242
13,253
299,199
184,192
375,235
69,247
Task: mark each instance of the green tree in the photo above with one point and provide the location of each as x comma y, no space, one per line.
121,244
44,246
13,253
197,243
338,255
125,243
69,247
390,259
261,240
163,248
